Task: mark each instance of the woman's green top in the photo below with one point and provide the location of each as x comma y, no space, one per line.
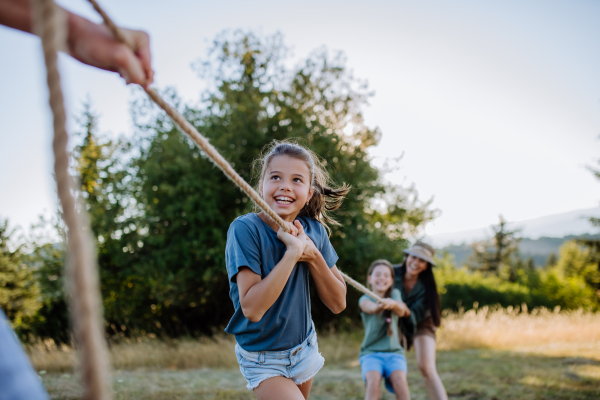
416,301
376,336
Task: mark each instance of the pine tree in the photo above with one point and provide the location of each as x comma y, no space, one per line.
498,255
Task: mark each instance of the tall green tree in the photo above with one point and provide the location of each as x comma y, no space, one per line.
18,290
176,278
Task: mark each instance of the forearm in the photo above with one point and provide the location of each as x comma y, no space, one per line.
370,307
400,309
17,14
331,288
261,296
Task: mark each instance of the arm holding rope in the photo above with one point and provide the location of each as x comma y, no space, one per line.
91,43
328,281
397,307
257,295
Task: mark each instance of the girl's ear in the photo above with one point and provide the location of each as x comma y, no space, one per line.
369,279
310,193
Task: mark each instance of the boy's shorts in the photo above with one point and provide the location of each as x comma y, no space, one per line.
384,363
300,363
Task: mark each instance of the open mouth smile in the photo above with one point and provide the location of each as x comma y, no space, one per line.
284,200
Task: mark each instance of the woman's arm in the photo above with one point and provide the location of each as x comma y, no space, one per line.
330,284
257,295
91,43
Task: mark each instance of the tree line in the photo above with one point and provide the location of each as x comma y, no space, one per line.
160,210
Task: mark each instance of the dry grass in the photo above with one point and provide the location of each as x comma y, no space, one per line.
485,354
551,333
510,329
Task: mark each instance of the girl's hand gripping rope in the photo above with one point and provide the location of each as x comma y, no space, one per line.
311,253
397,307
295,245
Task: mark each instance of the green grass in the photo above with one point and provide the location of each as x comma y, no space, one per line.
467,374
486,354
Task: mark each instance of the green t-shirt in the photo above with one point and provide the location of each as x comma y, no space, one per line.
376,338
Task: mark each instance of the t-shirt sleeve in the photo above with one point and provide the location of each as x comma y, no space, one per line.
242,249
326,248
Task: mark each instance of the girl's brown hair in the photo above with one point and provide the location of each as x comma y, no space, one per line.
387,314
325,198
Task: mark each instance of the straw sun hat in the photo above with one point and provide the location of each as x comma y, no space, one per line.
423,251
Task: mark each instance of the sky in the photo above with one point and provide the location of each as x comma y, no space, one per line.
494,106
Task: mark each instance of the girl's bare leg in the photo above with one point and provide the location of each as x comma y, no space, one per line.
400,385
373,385
425,351
305,388
278,388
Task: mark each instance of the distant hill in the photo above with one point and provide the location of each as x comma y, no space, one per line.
538,249
550,226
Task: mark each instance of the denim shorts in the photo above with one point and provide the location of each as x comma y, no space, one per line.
300,363
384,363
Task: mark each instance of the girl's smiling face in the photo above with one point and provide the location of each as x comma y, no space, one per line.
380,278
286,186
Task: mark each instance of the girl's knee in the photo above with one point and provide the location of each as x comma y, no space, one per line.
373,382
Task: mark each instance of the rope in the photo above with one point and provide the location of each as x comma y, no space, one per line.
210,151
360,287
193,133
81,269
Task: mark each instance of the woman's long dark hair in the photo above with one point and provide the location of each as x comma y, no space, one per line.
431,293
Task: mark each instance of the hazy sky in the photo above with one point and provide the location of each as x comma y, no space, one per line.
495,105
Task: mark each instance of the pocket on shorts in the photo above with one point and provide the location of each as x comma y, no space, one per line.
243,361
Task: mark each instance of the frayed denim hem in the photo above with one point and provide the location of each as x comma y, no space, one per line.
250,387
315,373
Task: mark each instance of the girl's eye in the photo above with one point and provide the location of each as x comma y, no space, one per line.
297,180
275,177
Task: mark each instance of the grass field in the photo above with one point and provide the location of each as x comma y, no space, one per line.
499,354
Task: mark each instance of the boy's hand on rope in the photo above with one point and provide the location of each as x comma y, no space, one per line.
95,45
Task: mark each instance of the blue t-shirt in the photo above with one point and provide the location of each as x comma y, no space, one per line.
252,243
18,379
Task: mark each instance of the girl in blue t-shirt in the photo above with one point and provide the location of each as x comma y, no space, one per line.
268,274
381,355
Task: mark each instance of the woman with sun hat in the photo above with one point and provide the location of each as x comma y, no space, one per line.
414,278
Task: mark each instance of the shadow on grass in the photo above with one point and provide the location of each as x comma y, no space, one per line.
467,374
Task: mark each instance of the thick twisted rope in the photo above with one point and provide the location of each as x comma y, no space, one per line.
210,151
81,269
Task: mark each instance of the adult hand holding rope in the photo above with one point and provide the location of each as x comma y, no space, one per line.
95,45
92,44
